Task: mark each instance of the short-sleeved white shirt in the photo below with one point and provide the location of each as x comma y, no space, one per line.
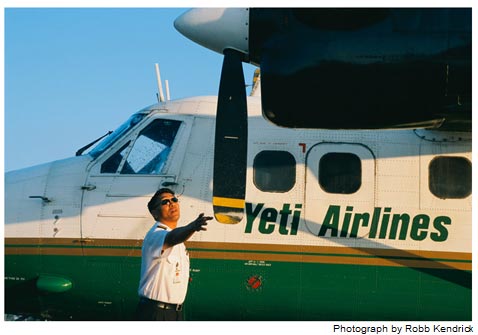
164,276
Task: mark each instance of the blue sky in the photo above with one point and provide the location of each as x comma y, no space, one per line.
72,74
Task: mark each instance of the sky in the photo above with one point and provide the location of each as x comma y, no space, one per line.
73,74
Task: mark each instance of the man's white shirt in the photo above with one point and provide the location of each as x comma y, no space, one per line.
164,276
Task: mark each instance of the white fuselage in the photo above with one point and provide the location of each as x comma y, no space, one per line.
80,201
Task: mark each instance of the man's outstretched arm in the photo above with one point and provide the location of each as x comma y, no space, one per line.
181,234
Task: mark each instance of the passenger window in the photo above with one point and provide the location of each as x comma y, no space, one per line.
450,177
274,171
111,164
340,172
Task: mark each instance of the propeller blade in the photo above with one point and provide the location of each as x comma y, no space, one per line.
230,150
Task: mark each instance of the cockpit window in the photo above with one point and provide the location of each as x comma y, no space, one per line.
123,129
111,164
151,149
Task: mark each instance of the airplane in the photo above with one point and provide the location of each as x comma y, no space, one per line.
333,224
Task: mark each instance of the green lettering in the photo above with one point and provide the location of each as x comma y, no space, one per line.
295,220
346,224
331,221
364,217
384,225
283,220
420,222
251,215
405,218
438,224
375,220
268,215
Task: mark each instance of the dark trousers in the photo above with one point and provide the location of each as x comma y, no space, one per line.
150,310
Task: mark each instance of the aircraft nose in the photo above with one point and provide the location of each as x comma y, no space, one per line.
216,28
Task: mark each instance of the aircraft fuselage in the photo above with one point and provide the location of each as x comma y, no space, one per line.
339,224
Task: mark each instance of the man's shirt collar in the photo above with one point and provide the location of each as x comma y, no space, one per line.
163,226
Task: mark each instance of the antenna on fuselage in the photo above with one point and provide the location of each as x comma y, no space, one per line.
167,90
160,94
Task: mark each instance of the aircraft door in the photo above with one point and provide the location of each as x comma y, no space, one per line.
122,181
115,217
340,178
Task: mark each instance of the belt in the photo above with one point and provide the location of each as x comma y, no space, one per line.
162,305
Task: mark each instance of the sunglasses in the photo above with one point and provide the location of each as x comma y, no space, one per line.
168,201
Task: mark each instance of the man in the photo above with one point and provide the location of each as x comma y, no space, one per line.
165,261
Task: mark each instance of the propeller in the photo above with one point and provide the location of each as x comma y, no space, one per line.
225,30
230,150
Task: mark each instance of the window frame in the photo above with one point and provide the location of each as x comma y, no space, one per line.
292,182
320,169
447,195
131,137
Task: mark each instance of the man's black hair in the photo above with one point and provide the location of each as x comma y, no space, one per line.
155,201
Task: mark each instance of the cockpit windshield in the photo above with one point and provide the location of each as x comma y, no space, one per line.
123,129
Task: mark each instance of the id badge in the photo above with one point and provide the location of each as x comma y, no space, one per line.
177,274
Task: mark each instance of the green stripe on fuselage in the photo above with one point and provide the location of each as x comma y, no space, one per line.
105,288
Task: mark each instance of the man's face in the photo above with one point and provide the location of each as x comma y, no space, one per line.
169,210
